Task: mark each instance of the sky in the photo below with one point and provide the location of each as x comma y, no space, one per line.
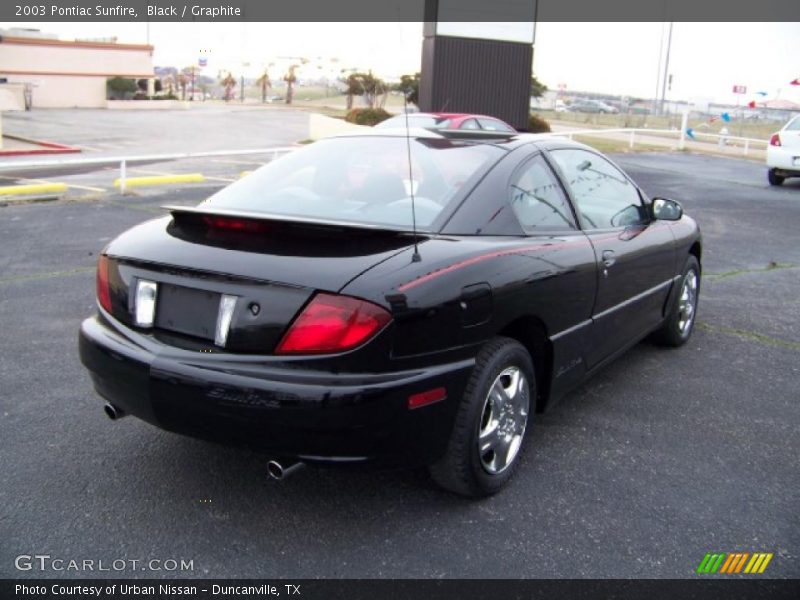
706,59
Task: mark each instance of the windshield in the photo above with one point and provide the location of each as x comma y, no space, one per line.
415,121
362,180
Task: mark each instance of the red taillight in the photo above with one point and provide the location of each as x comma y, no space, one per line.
333,324
103,291
775,140
235,224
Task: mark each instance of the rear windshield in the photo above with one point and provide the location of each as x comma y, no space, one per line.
362,180
427,121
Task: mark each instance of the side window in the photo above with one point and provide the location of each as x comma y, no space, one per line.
470,124
538,200
493,125
603,194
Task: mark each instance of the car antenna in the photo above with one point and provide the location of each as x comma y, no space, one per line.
415,257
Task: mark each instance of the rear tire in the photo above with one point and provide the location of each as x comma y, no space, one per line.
774,178
679,323
489,431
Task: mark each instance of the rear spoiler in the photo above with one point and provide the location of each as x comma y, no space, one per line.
207,215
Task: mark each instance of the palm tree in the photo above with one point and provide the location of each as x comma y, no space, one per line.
229,83
265,84
290,78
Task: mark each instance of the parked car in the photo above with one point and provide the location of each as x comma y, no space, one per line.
318,311
442,120
783,153
592,106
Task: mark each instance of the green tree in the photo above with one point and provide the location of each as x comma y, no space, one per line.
372,88
117,88
537,87
409,85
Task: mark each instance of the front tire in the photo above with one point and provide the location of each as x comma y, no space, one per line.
774,178
679,324
491,421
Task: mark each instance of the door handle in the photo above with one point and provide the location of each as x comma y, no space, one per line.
608,258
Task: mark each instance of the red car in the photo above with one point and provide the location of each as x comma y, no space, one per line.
444,120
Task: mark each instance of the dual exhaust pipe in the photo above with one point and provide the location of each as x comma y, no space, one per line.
275,469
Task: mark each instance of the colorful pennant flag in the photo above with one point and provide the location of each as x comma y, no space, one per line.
762,94
795,81
752,104
690,132
726,117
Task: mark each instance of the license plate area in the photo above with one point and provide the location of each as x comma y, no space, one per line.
187,310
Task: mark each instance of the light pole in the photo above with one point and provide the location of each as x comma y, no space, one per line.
666,68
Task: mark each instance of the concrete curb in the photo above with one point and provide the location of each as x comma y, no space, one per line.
33,188
160,179
46,147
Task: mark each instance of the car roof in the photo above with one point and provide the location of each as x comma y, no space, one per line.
449,115
510,141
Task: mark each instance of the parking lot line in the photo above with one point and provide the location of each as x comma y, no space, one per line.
149,171
76,271
231,161
43,181
225,179
86,187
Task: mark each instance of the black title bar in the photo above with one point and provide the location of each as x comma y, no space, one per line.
401,589
12,11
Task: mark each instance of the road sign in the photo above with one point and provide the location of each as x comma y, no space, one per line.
740,89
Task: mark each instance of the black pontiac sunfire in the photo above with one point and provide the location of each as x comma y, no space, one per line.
308,311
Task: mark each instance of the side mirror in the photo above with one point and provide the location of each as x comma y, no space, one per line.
665,209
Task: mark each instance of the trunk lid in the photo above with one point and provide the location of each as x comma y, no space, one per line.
271,266
790,138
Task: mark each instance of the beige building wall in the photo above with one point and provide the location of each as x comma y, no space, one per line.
71,74
65,91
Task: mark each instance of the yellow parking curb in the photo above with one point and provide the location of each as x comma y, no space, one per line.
32,188
244,174
161,179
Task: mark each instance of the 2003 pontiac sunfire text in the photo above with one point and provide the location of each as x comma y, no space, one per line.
177,11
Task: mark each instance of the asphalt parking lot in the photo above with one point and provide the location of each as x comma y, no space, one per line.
666,455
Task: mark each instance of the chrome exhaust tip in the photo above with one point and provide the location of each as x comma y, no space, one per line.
112,412
278,471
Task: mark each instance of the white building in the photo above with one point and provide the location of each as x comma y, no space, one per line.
60,74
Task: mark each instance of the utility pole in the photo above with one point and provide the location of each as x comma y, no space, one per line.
666,68
658,70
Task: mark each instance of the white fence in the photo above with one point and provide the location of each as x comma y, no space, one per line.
124,160
722,140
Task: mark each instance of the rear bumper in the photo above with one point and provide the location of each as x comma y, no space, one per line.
784,159
287,409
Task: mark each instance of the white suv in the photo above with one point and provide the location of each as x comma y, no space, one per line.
783,153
